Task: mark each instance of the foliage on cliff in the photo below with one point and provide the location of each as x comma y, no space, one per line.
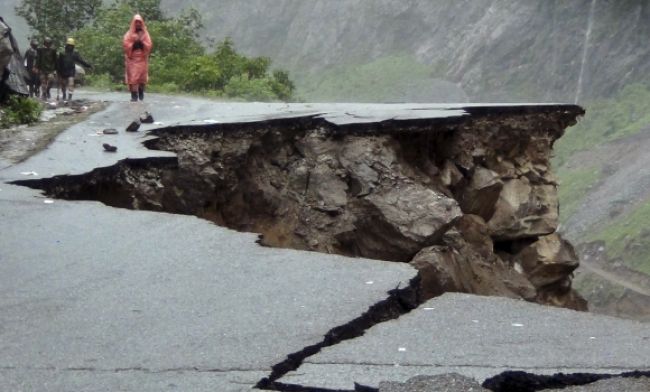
610,119
590,157
373,81
627,238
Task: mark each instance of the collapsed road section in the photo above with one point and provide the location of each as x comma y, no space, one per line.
469,200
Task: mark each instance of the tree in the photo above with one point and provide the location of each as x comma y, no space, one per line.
149,9
57,18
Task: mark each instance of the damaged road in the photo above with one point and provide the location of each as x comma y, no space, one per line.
98,298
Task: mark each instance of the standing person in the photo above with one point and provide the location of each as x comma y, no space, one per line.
45,66
30,62
137,47
66,68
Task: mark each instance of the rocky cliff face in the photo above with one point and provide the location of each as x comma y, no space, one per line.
495,50
470,201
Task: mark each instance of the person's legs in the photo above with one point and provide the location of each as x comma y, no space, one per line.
37,85
70,88
44,85
63,86
32,84
141,92
134,92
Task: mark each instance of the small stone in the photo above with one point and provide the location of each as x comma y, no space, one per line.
134,126
110,131
146,118
109,148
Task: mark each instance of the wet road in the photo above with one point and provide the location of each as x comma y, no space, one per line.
95,298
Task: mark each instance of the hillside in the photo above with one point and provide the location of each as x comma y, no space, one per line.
494,50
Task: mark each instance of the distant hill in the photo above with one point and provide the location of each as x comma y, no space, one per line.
494,50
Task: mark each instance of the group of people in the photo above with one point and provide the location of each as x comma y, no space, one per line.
44,63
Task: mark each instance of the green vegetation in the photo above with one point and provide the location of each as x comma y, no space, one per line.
179,63
574,186
56,19
368,82
628,237
19,110
606,120
599,291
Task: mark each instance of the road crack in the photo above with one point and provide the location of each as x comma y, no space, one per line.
399,302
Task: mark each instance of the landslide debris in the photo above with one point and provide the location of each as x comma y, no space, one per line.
470,201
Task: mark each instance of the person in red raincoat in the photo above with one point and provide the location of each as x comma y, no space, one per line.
137,47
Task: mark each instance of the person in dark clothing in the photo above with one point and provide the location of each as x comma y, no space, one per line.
30,61
46,58
66,68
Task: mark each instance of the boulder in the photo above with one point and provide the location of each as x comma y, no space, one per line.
481,194
466,263
449,174
548,260
399,221
524,210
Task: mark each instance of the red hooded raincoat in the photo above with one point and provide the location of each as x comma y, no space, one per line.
137,47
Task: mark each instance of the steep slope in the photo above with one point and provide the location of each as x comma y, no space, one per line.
494,50
604,172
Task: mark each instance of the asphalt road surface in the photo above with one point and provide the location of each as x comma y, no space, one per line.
94,298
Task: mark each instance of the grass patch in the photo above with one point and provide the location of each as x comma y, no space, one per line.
606,120
598,291
628,238
574,186
19,110
370,82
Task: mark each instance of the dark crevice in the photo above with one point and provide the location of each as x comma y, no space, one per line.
519,381
300,388
399,302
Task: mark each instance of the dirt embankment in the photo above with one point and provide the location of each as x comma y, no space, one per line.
471,202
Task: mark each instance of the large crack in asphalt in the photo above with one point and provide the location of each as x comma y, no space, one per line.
400,301
133,183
